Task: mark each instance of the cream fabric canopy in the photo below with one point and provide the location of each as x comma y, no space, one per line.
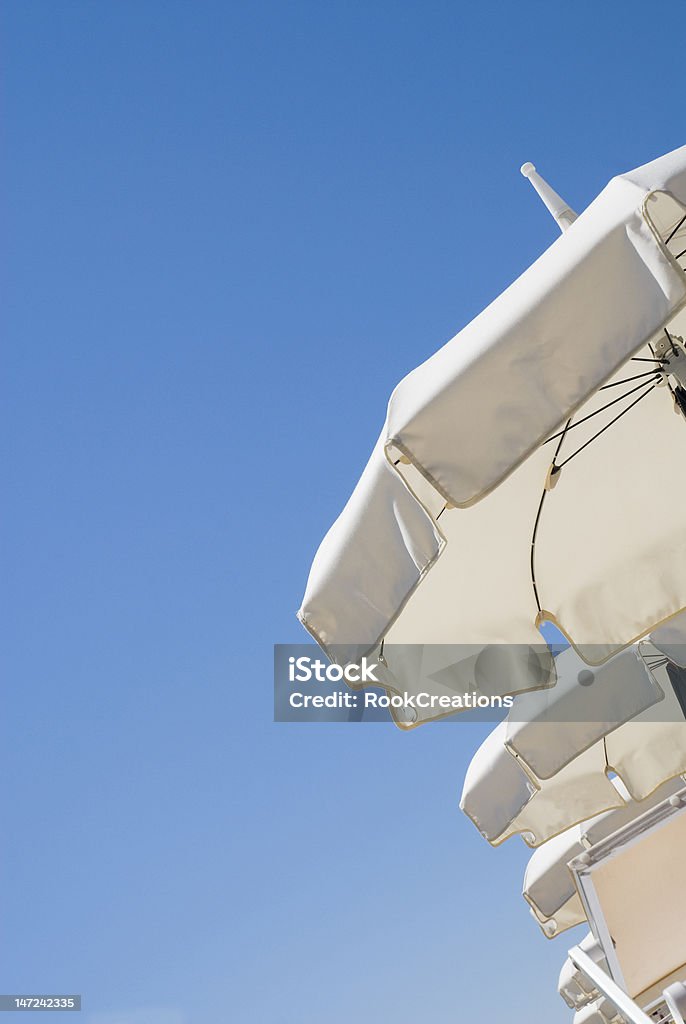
503,799
504,796
434,545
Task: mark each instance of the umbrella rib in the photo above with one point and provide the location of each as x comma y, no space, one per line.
673,347
626,380
672,233
656,664
607,425
602,409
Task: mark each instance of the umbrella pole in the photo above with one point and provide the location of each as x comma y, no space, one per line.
563,213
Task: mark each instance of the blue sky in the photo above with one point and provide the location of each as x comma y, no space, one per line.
231,228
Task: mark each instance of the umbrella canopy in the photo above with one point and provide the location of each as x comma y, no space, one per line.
548,884
454,533
503,794
503,798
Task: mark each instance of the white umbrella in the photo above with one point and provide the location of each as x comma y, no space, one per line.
529,472
454,533
503,794
548,885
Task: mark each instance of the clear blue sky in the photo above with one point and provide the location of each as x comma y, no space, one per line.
230,229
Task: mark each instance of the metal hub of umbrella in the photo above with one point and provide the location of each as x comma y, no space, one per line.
530,472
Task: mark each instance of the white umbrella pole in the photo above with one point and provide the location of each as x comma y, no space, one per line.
563,214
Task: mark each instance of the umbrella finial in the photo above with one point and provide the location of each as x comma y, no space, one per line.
563,214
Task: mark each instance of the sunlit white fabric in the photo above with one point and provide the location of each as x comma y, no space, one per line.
496,787
503,799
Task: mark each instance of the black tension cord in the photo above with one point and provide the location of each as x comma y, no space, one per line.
538,518
533,550
556,467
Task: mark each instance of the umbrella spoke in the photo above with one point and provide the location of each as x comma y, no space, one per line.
656,664
626,380
602,409
672,233
556,467
607,425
